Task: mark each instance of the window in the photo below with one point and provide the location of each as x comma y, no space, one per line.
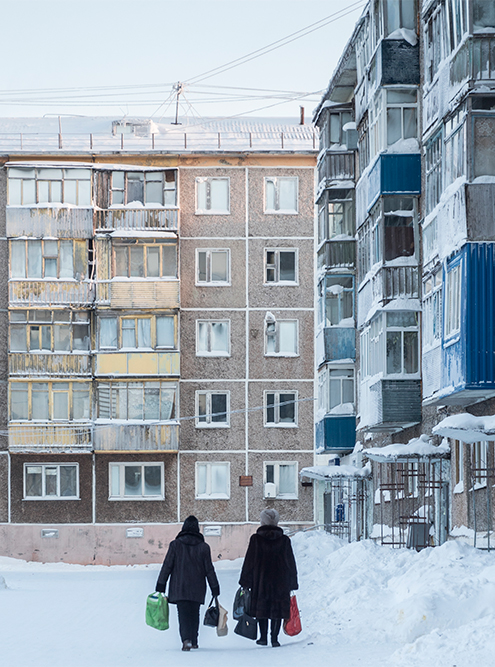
48,185
153,332
336,216
455,153
457,21
452,322
143,401
336,301
459,466
333,133
49,401
280,408
212,195
281,337
483,133
283,476
479,462
212,409
402,343
213,267
402,119
433,41
432,309
372,347
212,480
43,258
370,241
341,388
398,214
213,338
151,188
433,162
483,16
136,481
49,331
281,194
145,260
49,481
400,14
280,266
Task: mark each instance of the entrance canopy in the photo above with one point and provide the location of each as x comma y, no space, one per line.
419,449
467,428
327,473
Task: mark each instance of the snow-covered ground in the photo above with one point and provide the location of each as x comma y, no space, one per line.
361,604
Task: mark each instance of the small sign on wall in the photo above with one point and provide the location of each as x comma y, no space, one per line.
212,531
134,532
246,480
49,532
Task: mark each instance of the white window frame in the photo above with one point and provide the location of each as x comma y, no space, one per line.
209,495
276,408
276,471
272,329
153,327
452,301
276,267
208,423
432,309
209,352
209,282
37,175
43,483
276,184
479,460
208,210
402,106
341,379
458,450
403,330
148,176
108,390
121,465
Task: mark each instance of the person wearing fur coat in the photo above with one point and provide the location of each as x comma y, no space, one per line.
270,572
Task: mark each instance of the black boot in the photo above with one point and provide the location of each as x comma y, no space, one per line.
274,630
263,640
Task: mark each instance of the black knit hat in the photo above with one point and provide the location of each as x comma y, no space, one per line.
191,525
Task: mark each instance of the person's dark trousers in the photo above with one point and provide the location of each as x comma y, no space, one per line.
275,624
188,612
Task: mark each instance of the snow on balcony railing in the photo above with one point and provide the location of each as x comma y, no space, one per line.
172,140
141,219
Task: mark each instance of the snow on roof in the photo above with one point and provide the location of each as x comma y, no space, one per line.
93,134
328,472
467,427
421,447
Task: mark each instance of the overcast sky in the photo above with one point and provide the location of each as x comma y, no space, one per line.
131,52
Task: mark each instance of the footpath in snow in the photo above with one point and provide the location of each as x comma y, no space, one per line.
361,604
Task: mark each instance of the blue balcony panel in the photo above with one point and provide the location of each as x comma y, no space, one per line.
335,344
336,433
394,173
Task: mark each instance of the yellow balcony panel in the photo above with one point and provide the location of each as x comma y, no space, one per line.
129,437
49,364
138,363
27,293
144,293
58,438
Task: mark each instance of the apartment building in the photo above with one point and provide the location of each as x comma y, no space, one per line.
418,81
158,334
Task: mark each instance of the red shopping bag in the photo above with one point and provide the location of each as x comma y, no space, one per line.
292,625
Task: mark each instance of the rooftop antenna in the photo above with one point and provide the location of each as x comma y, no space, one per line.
178,89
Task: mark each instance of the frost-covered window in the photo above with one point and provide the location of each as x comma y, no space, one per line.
337,388
212,480
372,347
213,338
400,14
151,188
333,133
402,343
280,476
458,452
281,337
49,401
376,124
281,193
336,300
433,164
336,216
454,149
398,220
402,115
280,408
212,409
213,267
452,321
432,309
484,147
48,258
457,21
483,16
49,331
136,481
280,266
138,332
148,401
212,195
49,185
430,241
479,462
51,481
433,40
145,260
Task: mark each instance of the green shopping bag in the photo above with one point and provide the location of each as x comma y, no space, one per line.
157,611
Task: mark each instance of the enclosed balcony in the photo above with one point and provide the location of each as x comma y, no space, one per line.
394,174
23,364
29,293
137,220
138,294
337,254
335,166
395,282
392,405
48,438
55,221
137,363
336,433
335,344
136,437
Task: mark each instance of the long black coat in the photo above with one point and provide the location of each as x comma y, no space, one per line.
188,564
270,572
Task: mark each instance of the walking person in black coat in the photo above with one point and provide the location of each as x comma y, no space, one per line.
188,564
270,572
